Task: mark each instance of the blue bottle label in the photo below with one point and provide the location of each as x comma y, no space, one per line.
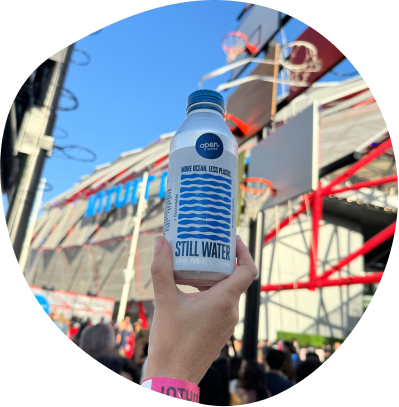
200,208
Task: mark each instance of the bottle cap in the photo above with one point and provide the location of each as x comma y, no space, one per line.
205,99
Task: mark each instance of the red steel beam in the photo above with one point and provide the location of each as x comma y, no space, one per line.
286,286
287,220
238,122
159,161
337,282
327,190
365,184
323,280
376,152
364,103
367,247
316,218
367,279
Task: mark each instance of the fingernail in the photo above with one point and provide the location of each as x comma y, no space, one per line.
158,244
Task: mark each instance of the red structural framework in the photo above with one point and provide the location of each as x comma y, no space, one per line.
238,122
315,201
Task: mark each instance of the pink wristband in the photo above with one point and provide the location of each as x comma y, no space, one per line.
181,389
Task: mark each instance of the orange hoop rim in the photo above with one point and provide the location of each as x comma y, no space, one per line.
256,190
237,34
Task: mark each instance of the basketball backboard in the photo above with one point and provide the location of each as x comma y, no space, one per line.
289,157
254,102
260,24
328,55
350,120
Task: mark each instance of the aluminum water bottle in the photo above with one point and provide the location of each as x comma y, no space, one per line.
201,197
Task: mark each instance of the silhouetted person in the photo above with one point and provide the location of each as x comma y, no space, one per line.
222,367
288,367
120,366
145,355
234,365
98,340
211,388
252,382
293,349
276,383
304,369
265,350
312,356
327,350
336,346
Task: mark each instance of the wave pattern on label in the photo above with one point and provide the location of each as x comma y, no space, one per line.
206,176
206,189
201,214
208,196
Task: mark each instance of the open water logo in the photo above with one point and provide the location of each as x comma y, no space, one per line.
209,146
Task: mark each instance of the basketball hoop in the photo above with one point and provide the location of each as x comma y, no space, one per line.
255,192
235,43
301,71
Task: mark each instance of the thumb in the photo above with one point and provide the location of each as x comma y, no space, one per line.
163,279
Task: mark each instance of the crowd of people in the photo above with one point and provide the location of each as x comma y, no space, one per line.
231,380
121,347
191,341
128,336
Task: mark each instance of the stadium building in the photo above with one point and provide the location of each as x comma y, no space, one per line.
81,241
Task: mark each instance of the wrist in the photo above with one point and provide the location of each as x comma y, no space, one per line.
174,369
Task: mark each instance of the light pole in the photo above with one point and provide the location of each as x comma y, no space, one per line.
32,223
252,299
34,144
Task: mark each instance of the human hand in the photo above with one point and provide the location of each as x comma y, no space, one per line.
190,329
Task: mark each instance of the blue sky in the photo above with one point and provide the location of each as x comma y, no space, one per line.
135,88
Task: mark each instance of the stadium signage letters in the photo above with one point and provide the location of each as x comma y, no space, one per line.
122,195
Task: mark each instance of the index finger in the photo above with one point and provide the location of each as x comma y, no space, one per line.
242,276
244,257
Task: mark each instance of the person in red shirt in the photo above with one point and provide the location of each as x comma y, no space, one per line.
129,345
73,330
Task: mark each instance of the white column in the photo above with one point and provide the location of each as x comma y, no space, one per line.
129,271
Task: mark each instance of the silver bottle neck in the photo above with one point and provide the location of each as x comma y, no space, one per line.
205,110
206,106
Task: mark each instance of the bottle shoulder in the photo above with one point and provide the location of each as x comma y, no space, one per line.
199,123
